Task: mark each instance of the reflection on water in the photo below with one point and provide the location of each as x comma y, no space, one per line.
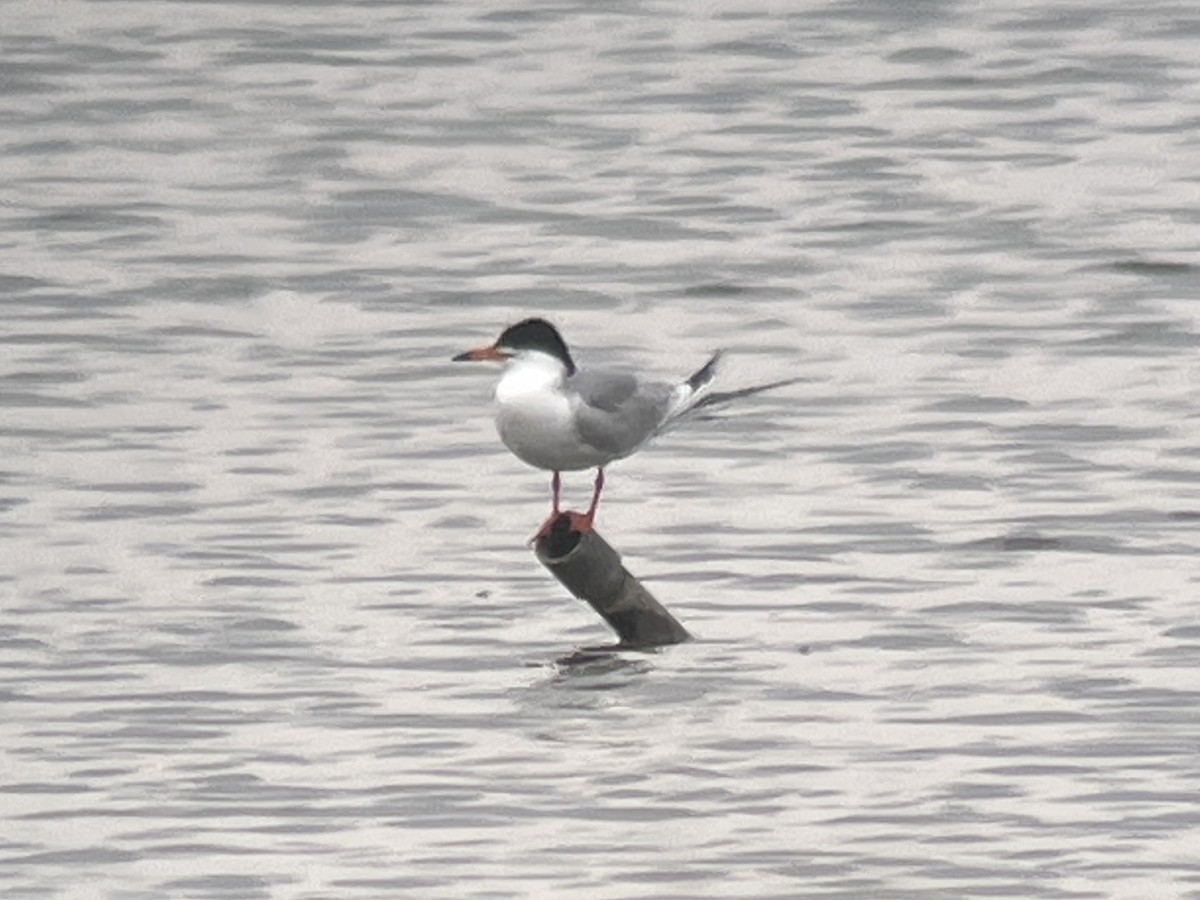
270,627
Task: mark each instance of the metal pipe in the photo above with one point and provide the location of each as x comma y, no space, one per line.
591,570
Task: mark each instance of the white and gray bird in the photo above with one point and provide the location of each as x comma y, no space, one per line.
554,416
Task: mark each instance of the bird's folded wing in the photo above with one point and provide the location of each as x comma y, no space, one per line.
615,414
603,390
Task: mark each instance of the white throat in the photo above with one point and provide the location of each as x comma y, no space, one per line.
530,372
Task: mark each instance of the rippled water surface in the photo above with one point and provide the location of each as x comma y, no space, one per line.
268,624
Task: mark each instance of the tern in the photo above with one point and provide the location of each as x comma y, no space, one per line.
555,416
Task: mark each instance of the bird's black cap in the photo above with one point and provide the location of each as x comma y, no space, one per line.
537,334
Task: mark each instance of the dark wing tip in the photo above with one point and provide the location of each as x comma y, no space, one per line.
706,373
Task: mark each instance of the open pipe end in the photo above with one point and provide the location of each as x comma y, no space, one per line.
558,538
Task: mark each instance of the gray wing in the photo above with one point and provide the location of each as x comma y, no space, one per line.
615,413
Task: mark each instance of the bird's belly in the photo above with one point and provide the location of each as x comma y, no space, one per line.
541,434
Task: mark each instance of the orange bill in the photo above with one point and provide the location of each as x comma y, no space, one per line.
482,354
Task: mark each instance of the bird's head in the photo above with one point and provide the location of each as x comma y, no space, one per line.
523,340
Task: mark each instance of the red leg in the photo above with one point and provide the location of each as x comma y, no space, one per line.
581,523
590,515
555,512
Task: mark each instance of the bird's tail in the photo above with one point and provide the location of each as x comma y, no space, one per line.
688,394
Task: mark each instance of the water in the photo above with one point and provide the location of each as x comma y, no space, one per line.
270,629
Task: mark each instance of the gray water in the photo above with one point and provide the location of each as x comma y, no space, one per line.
268,624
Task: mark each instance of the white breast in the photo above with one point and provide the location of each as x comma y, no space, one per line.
534,416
